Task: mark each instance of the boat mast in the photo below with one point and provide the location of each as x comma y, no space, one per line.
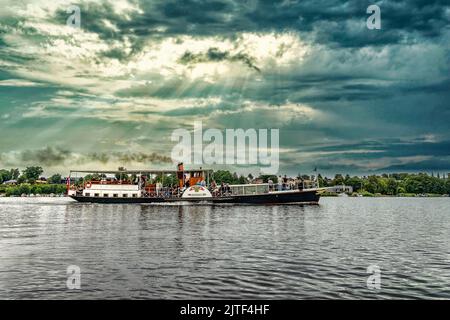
68,182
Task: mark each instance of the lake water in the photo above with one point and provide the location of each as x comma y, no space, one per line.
223,252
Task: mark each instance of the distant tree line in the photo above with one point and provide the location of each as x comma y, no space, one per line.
26,188
385,184
391,184
225,176
28,175
25,182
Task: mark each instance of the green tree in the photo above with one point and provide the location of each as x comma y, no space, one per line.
224,176
21,179
346,179
12,191
24,188
56,179
242,180
32,173
382,185
338,180
11,174
15,173
447,186
371,184
401,190
5,175
92,177
36,189
173,179
266,177
122,175
392,186
355,182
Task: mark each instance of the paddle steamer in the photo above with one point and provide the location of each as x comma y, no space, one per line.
192,186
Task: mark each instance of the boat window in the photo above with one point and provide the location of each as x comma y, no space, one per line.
134,195
125,195
96,195
87,194
237,190
106,195
262,188
250,190
115,195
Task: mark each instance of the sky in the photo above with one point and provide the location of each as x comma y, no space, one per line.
346,99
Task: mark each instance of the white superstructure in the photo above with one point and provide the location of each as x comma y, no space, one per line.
112,190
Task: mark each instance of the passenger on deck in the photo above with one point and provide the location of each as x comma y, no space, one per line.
285,180
158,188
270,185
227,189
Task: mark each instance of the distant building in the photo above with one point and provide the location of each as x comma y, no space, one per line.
10,182
340,189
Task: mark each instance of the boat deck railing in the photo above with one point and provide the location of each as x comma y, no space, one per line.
221,190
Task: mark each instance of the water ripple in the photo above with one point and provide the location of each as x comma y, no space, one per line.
219,252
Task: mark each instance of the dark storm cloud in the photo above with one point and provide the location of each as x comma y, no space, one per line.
92,15
423,166
53,156
125,157
142,157
329,18
390,155
216,55
390,147
48,156
191,17
333,21
401,156
434,88
195,11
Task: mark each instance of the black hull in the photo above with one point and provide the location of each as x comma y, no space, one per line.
287,197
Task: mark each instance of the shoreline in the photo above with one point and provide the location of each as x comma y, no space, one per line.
359,195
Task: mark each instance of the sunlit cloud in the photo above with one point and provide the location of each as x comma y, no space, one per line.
136,70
